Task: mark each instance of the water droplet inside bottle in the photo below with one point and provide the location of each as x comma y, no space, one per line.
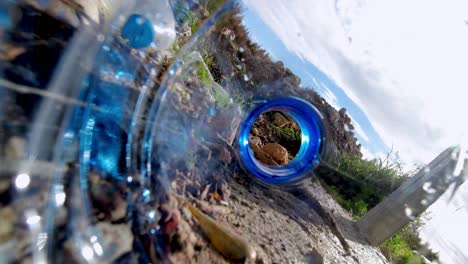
87,253
98,249
151,216
60,197
22,181
100,37
409,213
33,219
427,188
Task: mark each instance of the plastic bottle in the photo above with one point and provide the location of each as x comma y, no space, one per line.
151,106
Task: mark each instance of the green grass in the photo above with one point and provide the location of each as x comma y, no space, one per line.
289,132
204,76
213,5
360,184
400,249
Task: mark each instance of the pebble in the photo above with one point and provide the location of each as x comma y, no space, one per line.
8,217
277,152
118,237
15,148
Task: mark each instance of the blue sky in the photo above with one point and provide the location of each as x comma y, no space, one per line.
312,76
404,76
392,65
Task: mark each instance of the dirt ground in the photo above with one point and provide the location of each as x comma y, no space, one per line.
301,226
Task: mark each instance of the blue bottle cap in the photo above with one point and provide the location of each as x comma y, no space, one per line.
138,31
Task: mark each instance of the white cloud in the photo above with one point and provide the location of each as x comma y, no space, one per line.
404,66
367,154
329,96
358,129
402,62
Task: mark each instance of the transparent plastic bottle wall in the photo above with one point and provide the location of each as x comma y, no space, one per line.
144,106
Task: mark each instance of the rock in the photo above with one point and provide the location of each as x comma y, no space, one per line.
255,141
8,217
314,257
117,237
106,198
8,250
120,210
280,120
15,148
9,52
263,156
342,112
277,152
5,185
255,131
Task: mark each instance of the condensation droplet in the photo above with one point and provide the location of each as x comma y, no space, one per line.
98,249
246,77
151,215
454,155
33,219
100,37
60,197
22,181
242,59
87,253
409,213
427,188
241,49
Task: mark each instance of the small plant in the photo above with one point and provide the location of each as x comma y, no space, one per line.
359,184
289,132
213,5
203,74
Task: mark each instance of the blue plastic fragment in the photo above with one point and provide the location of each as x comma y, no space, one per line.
5,21
138,31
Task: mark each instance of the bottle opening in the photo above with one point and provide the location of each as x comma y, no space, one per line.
275,138
271,162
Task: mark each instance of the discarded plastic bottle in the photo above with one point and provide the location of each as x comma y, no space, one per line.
157,105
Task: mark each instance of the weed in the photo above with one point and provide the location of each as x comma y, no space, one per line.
359,184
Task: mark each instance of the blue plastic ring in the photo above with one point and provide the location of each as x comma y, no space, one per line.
313,138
